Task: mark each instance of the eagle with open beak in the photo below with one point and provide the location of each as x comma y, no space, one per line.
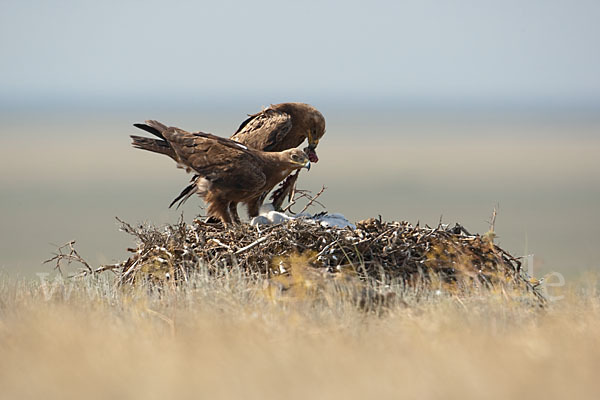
280,127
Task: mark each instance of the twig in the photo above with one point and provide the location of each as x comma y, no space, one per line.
217,241
102,268
492,222
131,268
289,206
313,200
127,228
330,245
70,257
301,194
251,245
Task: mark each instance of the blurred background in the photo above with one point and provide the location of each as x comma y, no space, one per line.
434,110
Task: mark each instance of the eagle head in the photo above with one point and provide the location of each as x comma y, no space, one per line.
298,159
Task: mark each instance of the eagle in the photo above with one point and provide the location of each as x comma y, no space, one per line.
281,127
226,172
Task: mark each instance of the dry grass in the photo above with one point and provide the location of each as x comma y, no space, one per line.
236,337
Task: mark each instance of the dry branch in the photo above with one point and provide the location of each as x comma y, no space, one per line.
69,258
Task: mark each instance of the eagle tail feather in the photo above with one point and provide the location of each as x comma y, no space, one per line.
154,127
153,145
185,194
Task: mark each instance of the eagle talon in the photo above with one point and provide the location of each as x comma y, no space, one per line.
212,220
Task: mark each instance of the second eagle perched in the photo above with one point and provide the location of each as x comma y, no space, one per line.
229,172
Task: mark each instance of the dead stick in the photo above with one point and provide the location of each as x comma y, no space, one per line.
251,245
312,200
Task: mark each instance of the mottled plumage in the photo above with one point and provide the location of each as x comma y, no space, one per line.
280,127
227,172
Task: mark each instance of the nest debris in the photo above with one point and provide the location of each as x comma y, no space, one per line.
376,249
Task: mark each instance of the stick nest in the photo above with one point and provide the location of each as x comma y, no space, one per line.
379,250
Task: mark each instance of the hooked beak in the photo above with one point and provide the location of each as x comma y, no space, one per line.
307,165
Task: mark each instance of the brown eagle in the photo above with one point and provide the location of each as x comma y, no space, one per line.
281,127
277,128
227,172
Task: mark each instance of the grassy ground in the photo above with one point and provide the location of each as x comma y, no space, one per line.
236,337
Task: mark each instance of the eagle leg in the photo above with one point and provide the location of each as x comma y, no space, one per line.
254,205
286,189
218,207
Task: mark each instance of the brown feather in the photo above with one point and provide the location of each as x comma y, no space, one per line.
227,171
280,127
153,145
153,127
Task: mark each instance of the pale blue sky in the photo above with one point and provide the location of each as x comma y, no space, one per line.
423,50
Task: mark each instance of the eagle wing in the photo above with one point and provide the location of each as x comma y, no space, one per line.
228,165
265,130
